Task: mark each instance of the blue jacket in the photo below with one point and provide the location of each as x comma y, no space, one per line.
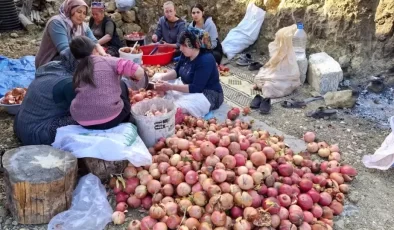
170,35
200,74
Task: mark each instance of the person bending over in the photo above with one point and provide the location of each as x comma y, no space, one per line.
61,28
102,99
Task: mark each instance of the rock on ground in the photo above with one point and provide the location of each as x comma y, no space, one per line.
340,99
324,73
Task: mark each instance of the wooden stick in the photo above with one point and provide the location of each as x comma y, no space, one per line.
29,26
135,45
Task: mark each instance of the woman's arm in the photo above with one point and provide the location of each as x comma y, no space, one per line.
170,75
130,69
201,77
167,86
106,38
109,31
213,33
99,48
59,36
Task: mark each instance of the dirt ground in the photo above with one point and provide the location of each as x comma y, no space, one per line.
368,206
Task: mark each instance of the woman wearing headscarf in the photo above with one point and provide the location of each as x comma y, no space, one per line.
104,29
196,68
61,28
46,106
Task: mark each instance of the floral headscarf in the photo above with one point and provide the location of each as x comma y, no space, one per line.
196,38
67,9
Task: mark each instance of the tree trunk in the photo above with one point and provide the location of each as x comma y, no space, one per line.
39,182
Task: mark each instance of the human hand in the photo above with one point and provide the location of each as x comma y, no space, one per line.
164,86
154,38
139,74
158,76
166,44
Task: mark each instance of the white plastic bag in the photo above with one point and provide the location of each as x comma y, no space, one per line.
280,76
383,158
195,104
119,143
124,5
90,209
246,32
151,129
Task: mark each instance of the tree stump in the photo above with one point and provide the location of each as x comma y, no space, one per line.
103,169
39,182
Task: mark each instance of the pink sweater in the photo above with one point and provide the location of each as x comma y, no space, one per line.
100,104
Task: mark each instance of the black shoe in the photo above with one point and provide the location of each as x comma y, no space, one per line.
255,66
255,103
265,106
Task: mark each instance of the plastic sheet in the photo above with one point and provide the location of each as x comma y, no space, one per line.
90,209
16,73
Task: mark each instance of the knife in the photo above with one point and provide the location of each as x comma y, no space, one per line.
156,48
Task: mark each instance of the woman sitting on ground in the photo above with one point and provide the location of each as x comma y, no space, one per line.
202,21
102,99
46,106
104,29
62,28
196,68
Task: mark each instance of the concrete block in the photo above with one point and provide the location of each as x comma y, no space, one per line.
324,73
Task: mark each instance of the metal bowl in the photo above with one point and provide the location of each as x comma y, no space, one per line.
11,109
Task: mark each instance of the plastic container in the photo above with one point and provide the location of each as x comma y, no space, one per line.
299,41
163,55
136,58
11,109
151,129
132,38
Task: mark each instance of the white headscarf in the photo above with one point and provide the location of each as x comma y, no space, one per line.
66,10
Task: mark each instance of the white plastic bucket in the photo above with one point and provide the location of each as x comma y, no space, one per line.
136,58
151,129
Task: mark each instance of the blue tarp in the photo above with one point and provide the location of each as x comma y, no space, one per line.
16,73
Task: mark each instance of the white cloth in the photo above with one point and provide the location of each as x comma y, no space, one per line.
195,104
119,143
383,158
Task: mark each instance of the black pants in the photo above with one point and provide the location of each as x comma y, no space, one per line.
124,115
218,52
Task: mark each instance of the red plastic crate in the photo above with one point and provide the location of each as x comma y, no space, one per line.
163,55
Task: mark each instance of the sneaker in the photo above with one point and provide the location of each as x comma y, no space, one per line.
255,103
244,60
265,106
255,66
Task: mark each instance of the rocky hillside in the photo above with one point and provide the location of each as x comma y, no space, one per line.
357,33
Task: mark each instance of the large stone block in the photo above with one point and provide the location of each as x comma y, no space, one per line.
128,28
110,6
324,73
128,16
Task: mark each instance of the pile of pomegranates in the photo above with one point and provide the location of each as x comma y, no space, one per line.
226,176
142,94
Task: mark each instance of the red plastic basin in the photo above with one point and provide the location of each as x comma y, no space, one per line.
163,55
